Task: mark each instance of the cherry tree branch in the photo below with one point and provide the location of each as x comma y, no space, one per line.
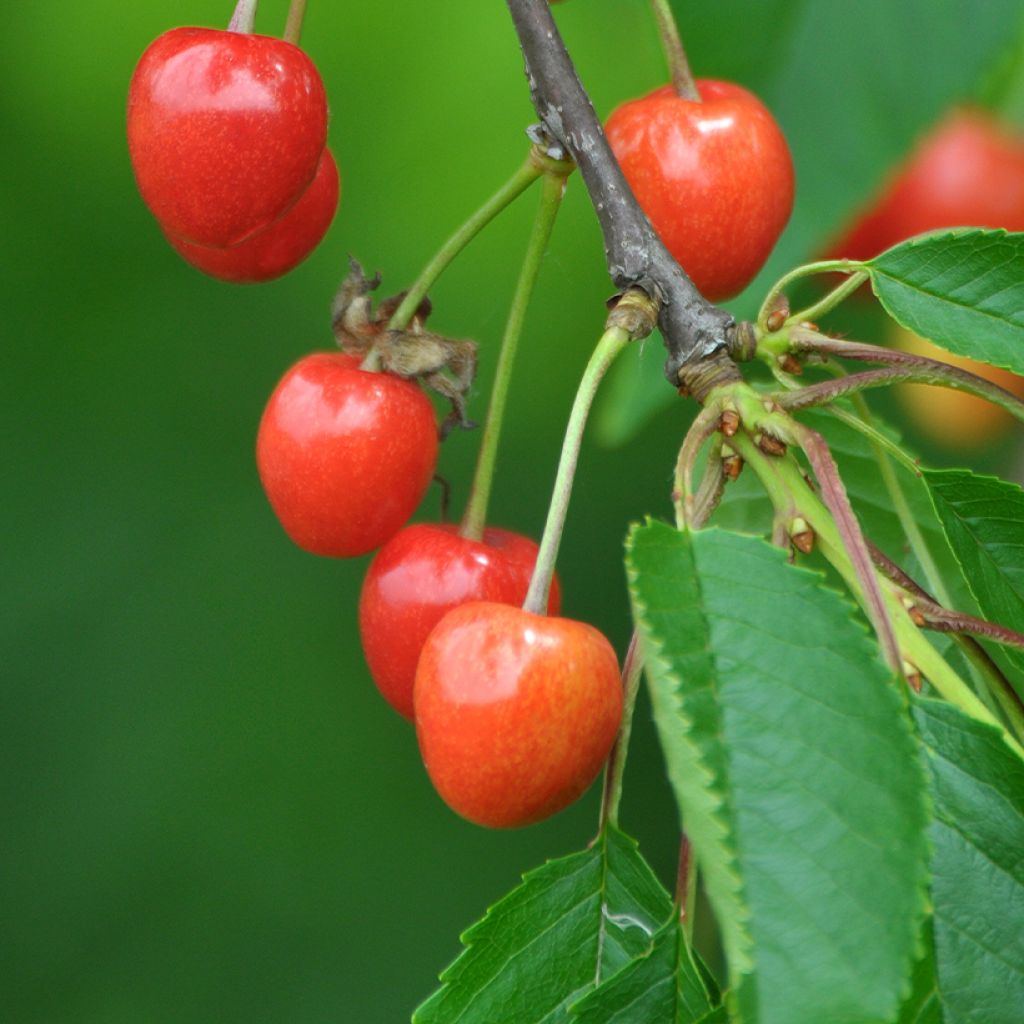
691,326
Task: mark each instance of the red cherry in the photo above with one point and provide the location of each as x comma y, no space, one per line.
968,172
345,455
225,131
280,247
421,574
515,712
714,177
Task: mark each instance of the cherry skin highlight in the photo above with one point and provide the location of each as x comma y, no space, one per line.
345,455
714,177
278,248
515,712
969,172
420,575
225,131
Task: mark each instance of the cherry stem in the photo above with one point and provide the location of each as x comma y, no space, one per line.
675,55
632,671
293,26
808,269
512,189
829,302
611,344
244,17
686,886
475,516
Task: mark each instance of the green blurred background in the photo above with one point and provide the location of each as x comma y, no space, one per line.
208,813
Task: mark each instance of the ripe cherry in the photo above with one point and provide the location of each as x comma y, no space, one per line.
515,712
280,247
225,131
344,454
421,574
714,177
968,172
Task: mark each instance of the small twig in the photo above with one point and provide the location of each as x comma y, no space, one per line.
964,628
947,376
709,491
690,325
918,369
834,495
686,885
704,425
632,671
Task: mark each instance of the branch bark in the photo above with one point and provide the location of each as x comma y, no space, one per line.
691,326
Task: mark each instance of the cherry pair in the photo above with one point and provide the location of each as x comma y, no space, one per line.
227,136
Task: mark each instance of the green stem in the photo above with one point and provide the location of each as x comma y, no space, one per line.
686,886
821,267
675,55
512,189
829,302
611,344
786,487
632,671
475,516
879,443
293,26
243,18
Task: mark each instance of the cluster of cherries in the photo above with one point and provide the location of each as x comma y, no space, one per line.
227,135
515,712
516,708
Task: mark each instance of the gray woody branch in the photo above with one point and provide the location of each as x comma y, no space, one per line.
691,326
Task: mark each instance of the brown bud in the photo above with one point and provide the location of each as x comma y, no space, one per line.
791,364
802,536
730,422
732,464
912,676
776,320
770,445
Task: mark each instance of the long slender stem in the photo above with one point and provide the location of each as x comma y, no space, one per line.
686,886
514,187
675,55
821,267
632,670
705,424
243,19
829,302
293,26
475,515
834,494
611,344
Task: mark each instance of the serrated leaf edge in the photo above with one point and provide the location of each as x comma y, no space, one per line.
722,873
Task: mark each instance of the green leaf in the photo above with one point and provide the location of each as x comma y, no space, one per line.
664,985
977,787
962,289
984,522
796,772
570,924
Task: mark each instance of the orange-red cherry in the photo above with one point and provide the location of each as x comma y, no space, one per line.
714,177
420,575
276,249
969,171
515,712
225,131
344,454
